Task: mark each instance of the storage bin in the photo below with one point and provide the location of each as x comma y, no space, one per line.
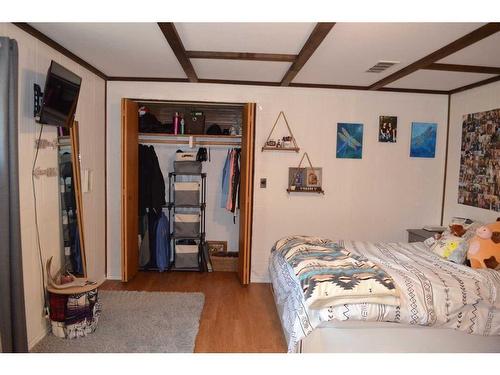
187,225
187,193
186,156
186,256
189,167
189,260
225,262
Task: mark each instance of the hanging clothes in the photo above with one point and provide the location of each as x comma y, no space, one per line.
231,180
151,201
163,243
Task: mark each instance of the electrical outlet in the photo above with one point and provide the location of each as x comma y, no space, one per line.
263,183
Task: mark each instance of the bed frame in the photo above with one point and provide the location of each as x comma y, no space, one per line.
385,337
380,337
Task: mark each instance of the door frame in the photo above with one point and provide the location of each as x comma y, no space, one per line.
248,128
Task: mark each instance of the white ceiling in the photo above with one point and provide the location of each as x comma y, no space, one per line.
245,37
140,50
240,70
486,52
118,49
352,48
438,80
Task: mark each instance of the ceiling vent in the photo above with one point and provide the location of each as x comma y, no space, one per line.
381,66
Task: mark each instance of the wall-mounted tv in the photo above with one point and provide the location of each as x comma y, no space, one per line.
60,96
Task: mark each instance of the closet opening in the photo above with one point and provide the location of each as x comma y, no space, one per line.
187,186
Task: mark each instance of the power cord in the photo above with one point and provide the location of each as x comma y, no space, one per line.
45,305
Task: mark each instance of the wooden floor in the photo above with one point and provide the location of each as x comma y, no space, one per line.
234,318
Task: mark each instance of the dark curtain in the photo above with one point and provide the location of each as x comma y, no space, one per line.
12,313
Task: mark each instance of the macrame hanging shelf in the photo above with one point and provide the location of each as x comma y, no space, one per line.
305,179
279,144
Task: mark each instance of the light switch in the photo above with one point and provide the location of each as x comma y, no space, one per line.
263,183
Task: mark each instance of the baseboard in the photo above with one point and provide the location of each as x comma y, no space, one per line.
39,338
113,277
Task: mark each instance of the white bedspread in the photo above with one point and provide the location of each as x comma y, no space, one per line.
433,292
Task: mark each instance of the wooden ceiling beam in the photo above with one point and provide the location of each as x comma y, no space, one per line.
465,41
170,32
463,68
241,56
476,84
317,36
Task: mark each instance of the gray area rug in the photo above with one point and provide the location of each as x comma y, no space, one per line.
137,322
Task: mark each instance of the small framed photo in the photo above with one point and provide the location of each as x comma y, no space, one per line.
217,247
387,129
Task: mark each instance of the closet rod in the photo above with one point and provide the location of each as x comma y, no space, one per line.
175,142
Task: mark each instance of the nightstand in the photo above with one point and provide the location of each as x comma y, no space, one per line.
419,235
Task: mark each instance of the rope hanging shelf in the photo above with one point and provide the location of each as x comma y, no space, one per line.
273,145
305,179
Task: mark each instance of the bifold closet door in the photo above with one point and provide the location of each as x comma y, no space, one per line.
130,189
246,192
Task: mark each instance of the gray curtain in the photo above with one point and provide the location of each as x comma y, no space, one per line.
12,313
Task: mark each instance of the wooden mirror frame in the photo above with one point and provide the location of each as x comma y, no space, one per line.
75,163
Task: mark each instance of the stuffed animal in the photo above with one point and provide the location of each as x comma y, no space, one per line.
457,230
484,248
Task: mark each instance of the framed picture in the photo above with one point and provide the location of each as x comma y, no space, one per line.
217,247
423,140
349,141
304,179
387,129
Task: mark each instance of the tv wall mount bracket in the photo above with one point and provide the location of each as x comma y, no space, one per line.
37,98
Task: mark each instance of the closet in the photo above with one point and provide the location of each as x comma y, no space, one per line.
236,127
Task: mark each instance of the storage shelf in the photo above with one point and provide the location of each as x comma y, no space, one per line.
173,205
267,148
177,237
321,191
169,135
187,269
203,175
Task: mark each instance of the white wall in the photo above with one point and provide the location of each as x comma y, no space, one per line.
479,99
34,60
375,198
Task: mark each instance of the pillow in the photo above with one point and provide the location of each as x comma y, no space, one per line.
451,248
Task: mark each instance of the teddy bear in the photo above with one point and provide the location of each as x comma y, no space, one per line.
484,248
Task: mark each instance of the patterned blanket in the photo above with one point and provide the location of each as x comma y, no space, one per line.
330,275
432,291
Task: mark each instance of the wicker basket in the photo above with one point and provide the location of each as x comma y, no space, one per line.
223,262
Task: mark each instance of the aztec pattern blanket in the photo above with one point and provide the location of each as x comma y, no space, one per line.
432,291
330,275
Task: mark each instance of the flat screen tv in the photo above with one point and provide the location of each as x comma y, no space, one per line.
60,96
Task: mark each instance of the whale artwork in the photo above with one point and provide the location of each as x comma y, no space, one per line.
423,140
349,141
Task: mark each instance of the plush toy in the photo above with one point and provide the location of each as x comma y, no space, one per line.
457,230
484,248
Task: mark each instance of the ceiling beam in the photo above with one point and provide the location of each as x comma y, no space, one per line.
59,48
319,33
169,31
477,84
457,45
241,56
463,68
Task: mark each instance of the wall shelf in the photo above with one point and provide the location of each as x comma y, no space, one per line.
269,148
319,191
202,136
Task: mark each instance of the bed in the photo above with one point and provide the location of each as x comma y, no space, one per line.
393,297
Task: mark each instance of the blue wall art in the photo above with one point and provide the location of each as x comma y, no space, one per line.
349,141
423,140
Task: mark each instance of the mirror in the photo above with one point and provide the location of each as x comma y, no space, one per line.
72,241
